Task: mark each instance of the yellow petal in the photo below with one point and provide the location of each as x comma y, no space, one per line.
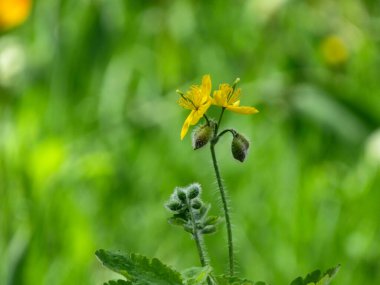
217,98
186,125
226,89
196,117
206,85
243,109
235,97
185,104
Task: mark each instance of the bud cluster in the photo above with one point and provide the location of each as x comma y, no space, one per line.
189,211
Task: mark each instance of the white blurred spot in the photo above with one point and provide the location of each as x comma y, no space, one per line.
264,9
12,60
372,149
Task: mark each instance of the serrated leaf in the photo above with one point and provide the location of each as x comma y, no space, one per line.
329,275
331,272
297,281
196,275
313,277
227,280
316,278
139,269
118,282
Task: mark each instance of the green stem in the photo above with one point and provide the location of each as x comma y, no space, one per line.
220,119
207,120
232,131
198,240
225,206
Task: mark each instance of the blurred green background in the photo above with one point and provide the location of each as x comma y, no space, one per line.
90,148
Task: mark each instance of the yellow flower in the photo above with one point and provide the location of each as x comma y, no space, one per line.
229,98
13,12
198,100
334,50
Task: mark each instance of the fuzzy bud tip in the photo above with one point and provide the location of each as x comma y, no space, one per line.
194,190
196,204
239,147
201,136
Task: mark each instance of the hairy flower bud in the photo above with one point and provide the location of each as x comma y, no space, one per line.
194,191
239,147
174,205
196,204
181,194
202,135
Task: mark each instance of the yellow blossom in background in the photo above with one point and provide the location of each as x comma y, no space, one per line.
229,98
198,100
13,13
334,50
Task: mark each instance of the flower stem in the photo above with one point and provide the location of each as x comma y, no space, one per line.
207,120
225,207
219,121
198,240
232,131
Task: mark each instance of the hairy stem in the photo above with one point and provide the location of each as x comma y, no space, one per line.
219,121
225,207
232,131
198,241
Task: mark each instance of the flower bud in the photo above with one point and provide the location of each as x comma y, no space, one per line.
196,204
202,135
194,191
181,195
174,206
239,147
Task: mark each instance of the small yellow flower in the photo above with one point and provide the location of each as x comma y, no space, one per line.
334,50
229,98
13,12
198,100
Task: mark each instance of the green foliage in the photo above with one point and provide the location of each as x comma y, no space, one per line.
118,282
317,278
227,280
196,275
138,269
86,114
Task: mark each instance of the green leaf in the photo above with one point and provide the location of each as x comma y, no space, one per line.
328,276
202,212
118,282
175,221
138,269
212,220
227,280
297,281
196,275
316,278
